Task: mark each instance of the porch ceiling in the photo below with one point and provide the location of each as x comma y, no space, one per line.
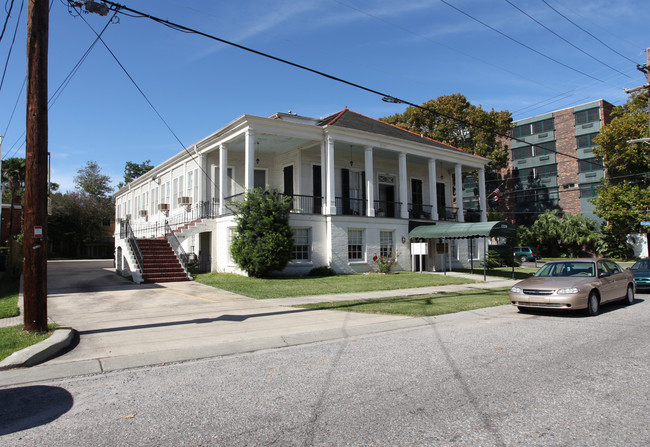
464,230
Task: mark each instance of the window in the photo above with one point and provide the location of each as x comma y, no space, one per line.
586,140
547,171
589,189
174,193
386,246
190,182
590,164
301,245
259,178
543,126
587,116
355,245
522,152
545,148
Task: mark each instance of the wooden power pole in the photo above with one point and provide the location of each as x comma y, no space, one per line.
36,188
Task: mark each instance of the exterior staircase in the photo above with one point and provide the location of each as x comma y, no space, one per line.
160,263
190,229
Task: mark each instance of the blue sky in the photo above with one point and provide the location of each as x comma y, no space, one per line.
416,50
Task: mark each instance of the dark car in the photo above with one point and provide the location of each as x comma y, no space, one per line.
525,254
641,271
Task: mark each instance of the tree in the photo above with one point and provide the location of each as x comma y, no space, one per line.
624,199
90,180
13,177
134,170
556,234
478,133
263,240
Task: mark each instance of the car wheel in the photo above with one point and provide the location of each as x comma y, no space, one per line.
593,304
523,259
629,296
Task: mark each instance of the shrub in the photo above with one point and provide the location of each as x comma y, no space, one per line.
322,271
385,263
263,240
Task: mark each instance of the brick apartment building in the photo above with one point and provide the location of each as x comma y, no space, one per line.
552,164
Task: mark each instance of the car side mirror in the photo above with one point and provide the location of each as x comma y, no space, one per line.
603,274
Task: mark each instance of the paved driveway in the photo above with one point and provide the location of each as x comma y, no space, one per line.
121,324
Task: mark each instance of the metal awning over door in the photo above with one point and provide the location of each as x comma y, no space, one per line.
464,230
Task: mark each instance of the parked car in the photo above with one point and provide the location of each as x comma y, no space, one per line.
525,254
574,284
641,272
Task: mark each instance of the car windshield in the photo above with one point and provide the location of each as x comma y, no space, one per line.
643,264
567,269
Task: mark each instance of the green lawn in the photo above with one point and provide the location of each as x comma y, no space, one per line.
422,306
14,339
281,287
9,296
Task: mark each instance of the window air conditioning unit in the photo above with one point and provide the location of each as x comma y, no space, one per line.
184,200
143,213
163,207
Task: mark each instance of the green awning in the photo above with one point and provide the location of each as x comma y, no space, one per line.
464,230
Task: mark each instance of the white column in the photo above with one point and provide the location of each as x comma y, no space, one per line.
203,174
433,189
331,191
482,200
403,187
249,160
323,176
370,183
223,178
459,194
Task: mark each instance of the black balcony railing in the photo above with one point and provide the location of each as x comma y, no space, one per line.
306,204
420,211
346,206
384,208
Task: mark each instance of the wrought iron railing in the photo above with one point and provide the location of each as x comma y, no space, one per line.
126,232
420,211
347,206
384,208
448,213
305,204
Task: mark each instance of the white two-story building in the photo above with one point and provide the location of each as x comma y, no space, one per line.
359,186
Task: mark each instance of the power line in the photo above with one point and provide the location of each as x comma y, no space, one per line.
386,97
22,4
147,99
520,43
565,40
4,27
584,30
498,67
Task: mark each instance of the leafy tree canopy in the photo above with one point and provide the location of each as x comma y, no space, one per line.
557,234
13,175
479,136
624,198
263,240
90,180
134,170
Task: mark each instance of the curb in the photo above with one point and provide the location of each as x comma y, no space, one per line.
40,352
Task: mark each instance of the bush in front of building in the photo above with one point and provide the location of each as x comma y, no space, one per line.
263,239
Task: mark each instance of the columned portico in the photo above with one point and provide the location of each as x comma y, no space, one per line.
403,186
433,189
370,183
481,194
459,193
249,160
330,192
223,177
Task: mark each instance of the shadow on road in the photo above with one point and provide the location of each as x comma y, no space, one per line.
225,317
31,406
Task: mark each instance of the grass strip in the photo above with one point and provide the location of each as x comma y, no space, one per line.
422,306
14,338
9,296
291,286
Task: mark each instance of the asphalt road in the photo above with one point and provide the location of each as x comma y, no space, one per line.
505,379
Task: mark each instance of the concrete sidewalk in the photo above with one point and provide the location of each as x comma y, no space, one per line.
123,325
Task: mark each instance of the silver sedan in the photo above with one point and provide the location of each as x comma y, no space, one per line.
574,284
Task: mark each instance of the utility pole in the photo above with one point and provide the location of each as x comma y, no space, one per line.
35,217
